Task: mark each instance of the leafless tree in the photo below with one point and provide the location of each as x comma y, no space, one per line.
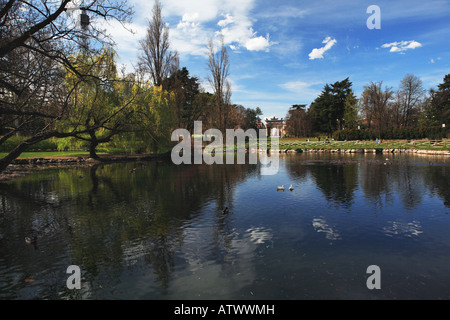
298,122
375,104
156,58
219,65
396,110
410,97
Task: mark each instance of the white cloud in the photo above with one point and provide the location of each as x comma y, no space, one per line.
228,19
203,10
199,20
317,53
400,46
190,17
126,38
189,36
258,44
192,23
237,32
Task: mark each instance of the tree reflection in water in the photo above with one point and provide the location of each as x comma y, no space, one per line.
160,222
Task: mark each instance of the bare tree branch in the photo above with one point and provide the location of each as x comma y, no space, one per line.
156,57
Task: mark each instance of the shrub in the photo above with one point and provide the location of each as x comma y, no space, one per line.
70,143
14,141
432,133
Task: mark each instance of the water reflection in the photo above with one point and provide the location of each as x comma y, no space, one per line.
259,235
320,225
410,177
151,230
438,182
406,229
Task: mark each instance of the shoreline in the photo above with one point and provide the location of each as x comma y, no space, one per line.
24,166
363,150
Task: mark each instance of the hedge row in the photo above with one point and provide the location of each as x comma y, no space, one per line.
432,133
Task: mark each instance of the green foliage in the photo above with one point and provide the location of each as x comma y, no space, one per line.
119,113
100,105
70,143
350,111
154,119
321,111
251,118
327,111
446,84
14,141
437,110
186,90
128,143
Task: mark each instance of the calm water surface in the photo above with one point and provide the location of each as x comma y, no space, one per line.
160,232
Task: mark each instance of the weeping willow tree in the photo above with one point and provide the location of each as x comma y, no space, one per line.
101,106
154,118
37,41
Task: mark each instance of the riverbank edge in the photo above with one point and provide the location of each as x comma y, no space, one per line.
364,150
23,166
85,159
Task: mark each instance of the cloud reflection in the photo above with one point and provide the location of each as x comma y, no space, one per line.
259,235
405,229
320,225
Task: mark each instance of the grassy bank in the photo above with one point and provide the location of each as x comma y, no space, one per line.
387,144
289,143
44,154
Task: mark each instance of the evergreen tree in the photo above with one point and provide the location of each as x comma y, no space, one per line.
437,111
185,88
327,111
351,111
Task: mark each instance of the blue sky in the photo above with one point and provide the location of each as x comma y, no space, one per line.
283,52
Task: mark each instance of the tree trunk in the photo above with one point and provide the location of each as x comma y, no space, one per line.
10,157
93,145
92,152
17,151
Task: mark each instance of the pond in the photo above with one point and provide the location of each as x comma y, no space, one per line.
160,231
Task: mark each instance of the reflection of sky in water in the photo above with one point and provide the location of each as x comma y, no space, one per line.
282,232
405,229
320,225
259,235
169,238
219,274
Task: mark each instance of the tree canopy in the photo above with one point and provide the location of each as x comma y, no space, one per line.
328,109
